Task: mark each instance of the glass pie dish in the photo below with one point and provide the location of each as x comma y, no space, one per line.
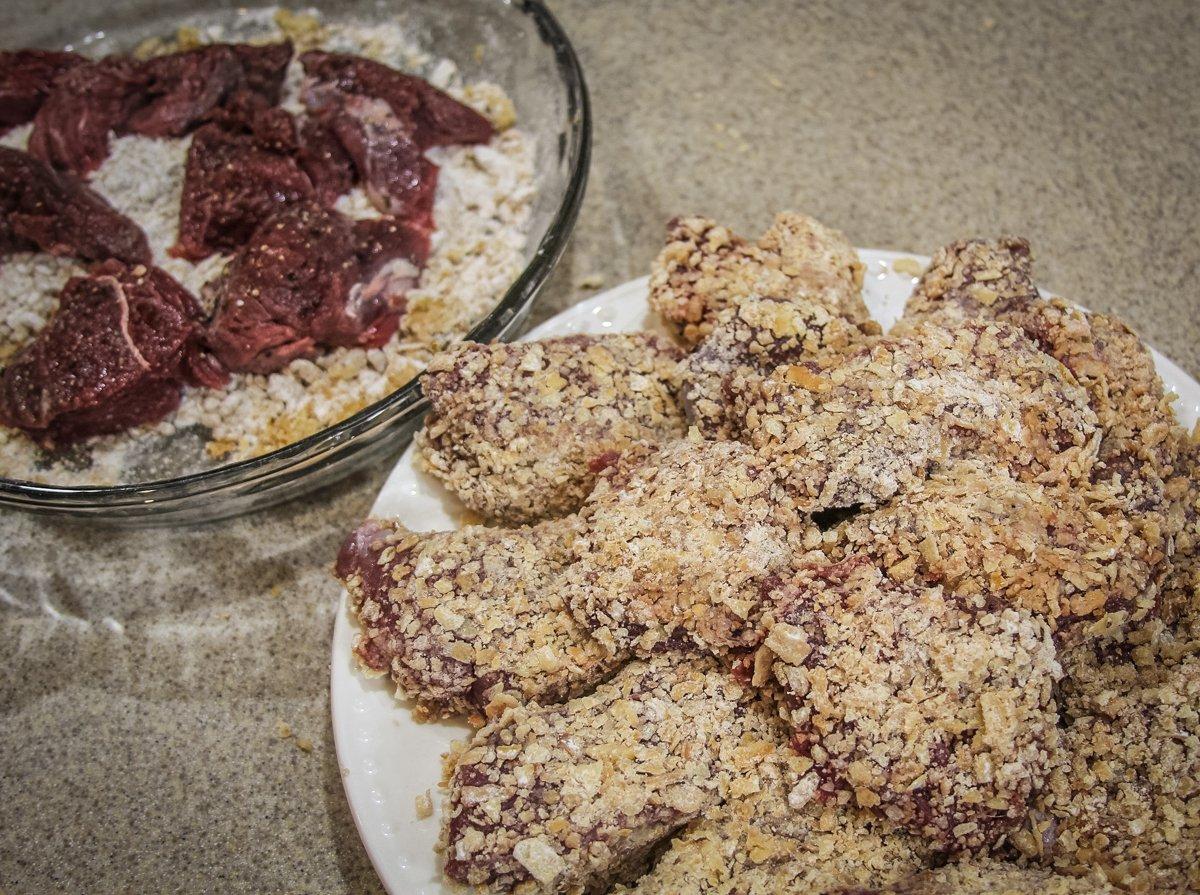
517,45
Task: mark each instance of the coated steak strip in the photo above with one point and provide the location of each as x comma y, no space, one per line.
1126,796
572,796
115,355
749,340
972,278
57,213
519,432
772,836
858,433
687,540
987,876
469,621
705,268
935,713
985,535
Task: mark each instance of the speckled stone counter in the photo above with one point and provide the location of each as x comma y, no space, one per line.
146,675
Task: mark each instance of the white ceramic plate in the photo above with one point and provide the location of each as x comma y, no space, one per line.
387,758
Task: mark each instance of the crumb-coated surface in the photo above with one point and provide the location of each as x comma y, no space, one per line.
972,278
575,795
1126,796
469,621
184,649
935,712
1181,588
775,837
750,339
983,876
1053,549
705,267
520,431
875,424
687,539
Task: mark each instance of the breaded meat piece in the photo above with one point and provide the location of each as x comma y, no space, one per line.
750,339
705,268
995,540
1127,796
519,432
573,797
771,836
857,433
468,621
686,540
969,279
937,715
987,876
1181,589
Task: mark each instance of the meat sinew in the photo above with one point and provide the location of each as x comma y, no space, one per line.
26,77
436,118
115,355
232,182
185,89
397,177
56,212
70,130
299,283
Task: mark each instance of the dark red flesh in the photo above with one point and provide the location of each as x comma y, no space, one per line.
303,281
115,355
41,208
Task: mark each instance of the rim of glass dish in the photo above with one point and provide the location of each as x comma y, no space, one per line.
406,400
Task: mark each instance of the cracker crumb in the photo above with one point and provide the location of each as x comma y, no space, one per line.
424,805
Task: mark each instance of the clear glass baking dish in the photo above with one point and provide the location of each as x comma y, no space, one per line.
527,54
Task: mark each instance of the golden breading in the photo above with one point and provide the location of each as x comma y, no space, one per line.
685,541
1181,589
519,432
986,876
575,796
971,278
936,714
987,536
1126,797
705,268
469,621
772,837
859,432
750,339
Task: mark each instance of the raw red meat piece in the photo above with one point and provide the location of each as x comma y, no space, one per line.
185,89
25,79
57,213
397,177
231,184
298,284
115,355
265,66
325,161
437,119
70,130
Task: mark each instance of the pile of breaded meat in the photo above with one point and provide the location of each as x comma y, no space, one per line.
784,604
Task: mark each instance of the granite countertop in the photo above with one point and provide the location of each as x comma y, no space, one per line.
145,674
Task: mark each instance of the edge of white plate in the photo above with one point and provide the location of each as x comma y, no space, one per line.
386,758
